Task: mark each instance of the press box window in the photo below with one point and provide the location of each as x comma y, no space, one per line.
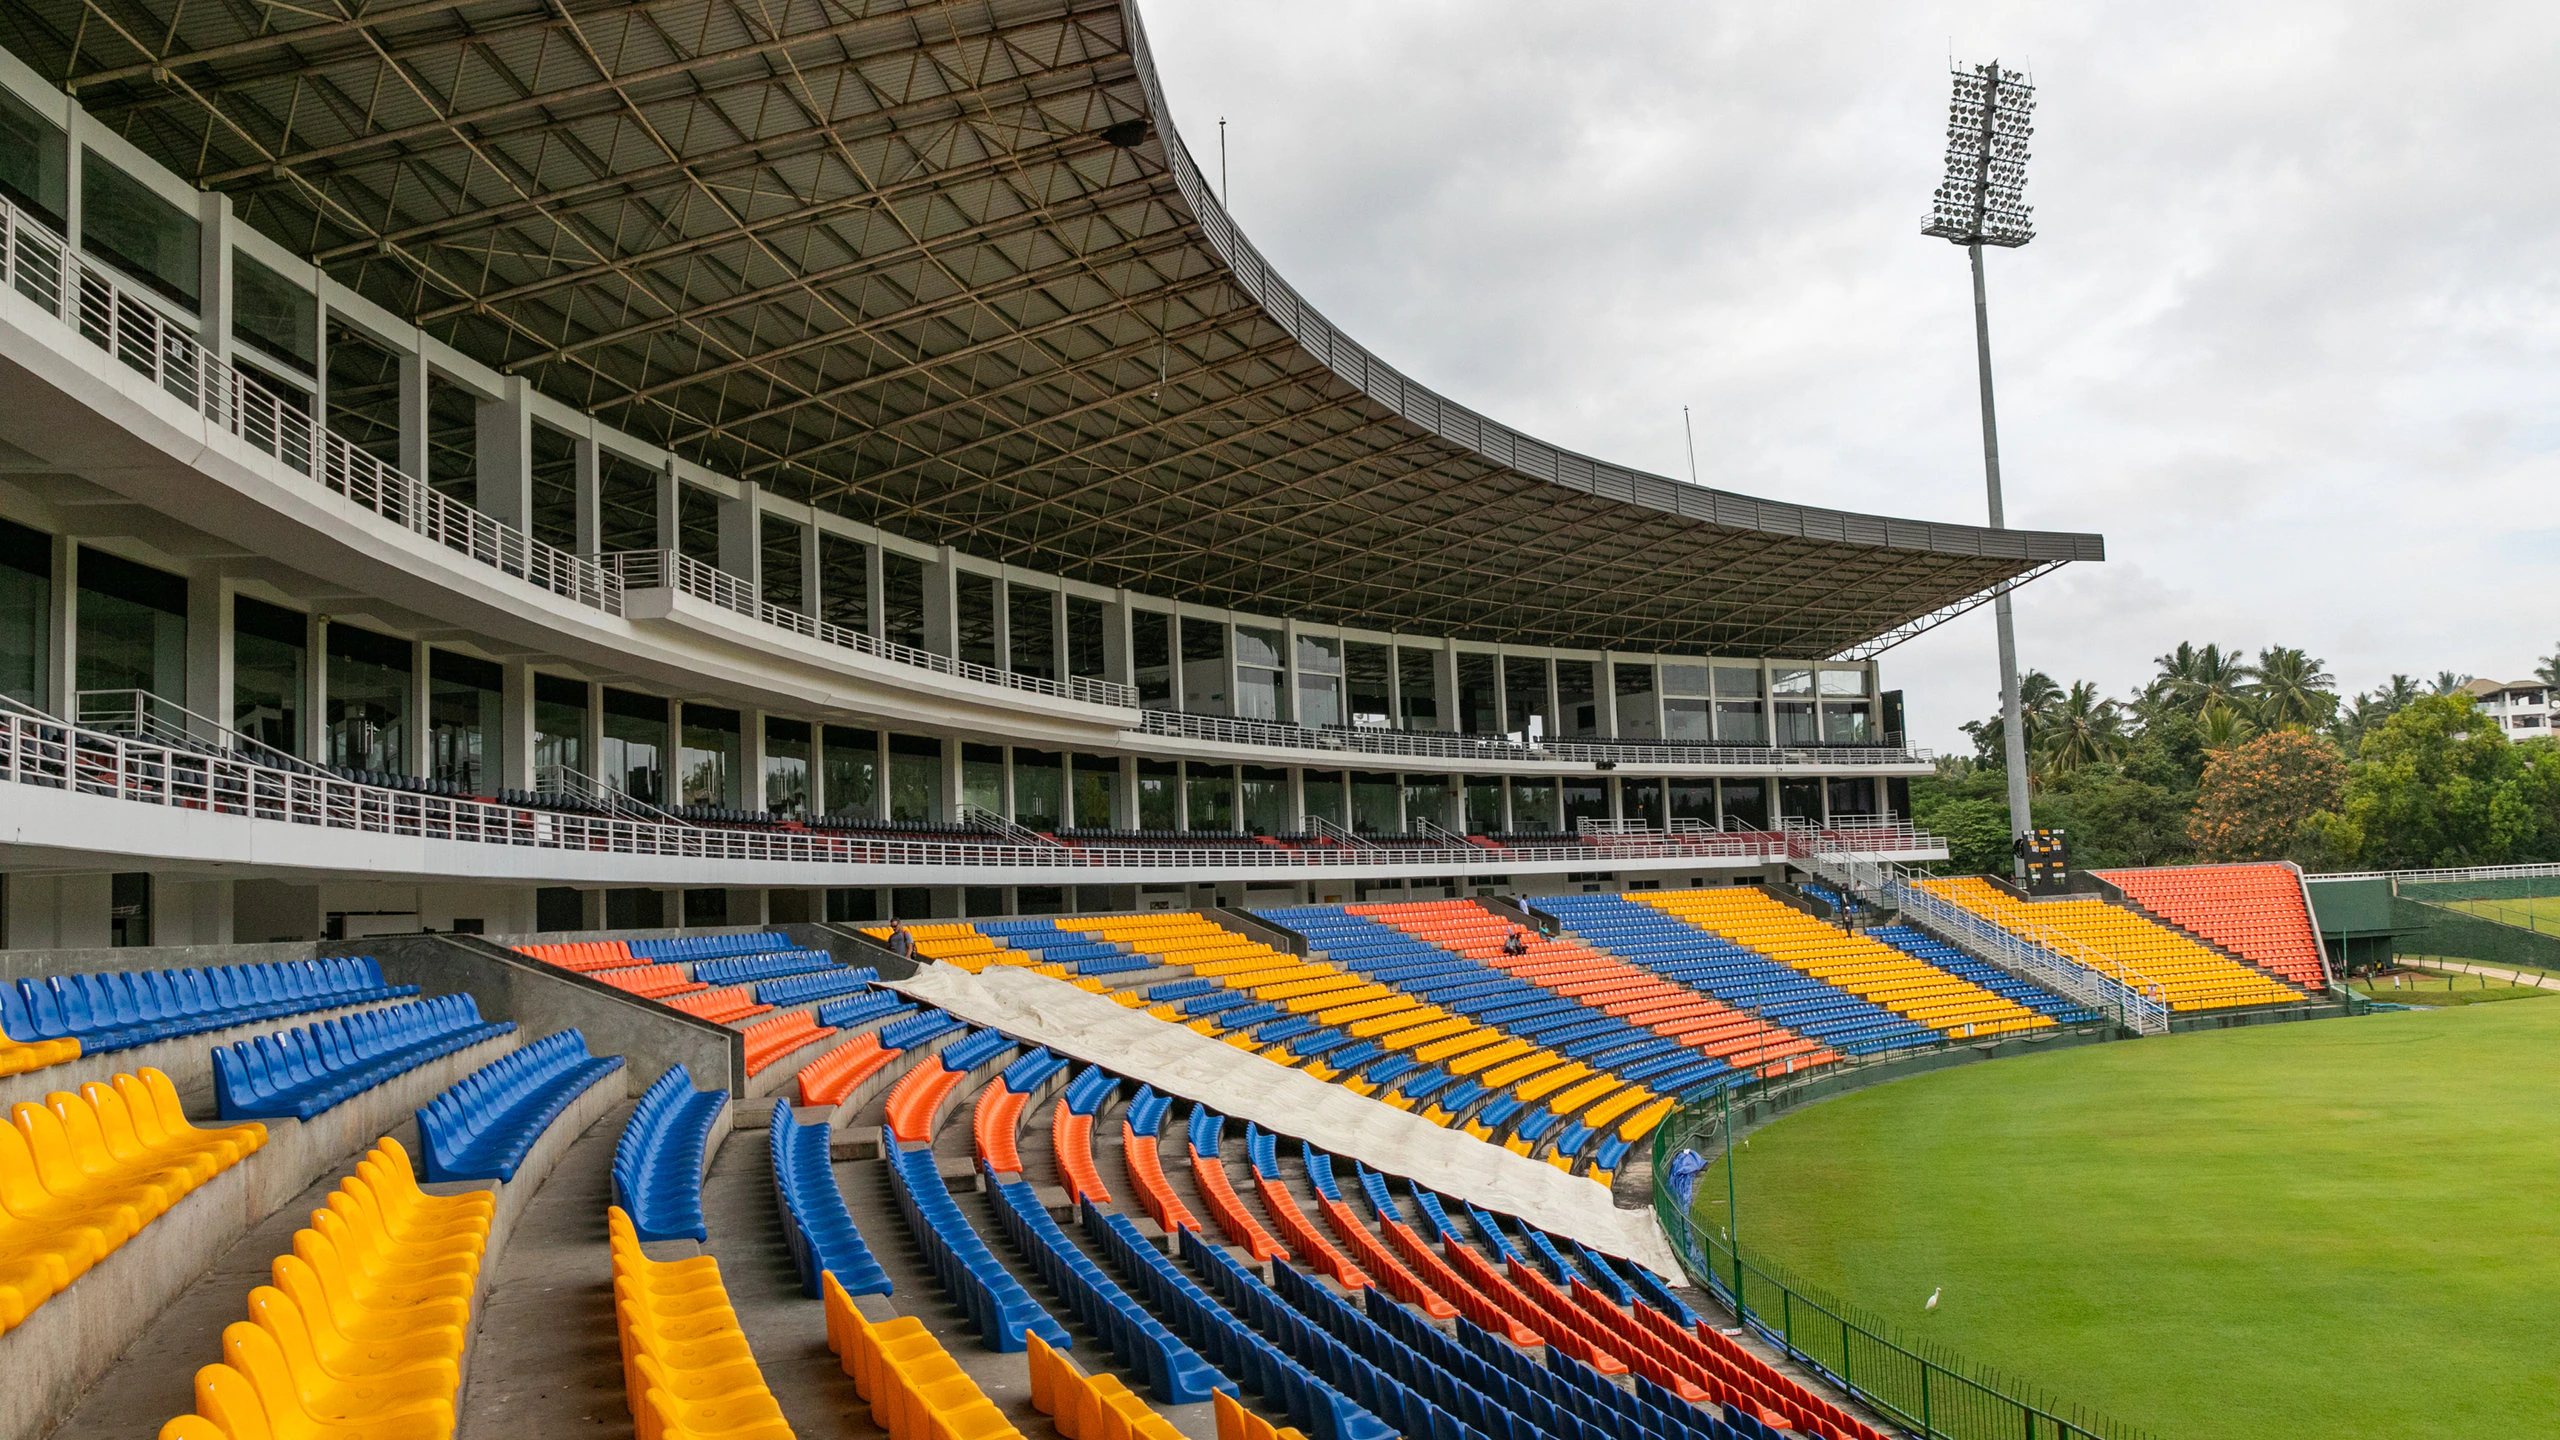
35,160
274,315
126,223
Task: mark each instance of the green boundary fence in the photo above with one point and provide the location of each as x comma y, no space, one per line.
1933,1393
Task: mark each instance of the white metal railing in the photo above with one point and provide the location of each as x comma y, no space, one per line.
1436,745
1324,828
2053,960
979,817
103,311
662,569
41,750
564,782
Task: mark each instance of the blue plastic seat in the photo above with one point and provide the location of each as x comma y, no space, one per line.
657,1165
482,1128
815,1223
300,1073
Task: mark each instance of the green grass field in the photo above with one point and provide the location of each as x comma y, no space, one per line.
2439,988
2339,1228
2541,912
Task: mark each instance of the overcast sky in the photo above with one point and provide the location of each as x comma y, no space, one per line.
2289,336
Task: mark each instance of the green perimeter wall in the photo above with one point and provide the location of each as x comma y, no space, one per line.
2462,935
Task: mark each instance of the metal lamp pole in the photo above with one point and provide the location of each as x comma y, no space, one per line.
1981,203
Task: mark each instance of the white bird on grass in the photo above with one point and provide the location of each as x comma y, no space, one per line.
1933,1298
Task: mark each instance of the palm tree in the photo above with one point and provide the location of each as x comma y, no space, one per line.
2191,678
2081,728
2290,691
2548,672
2223,727
2037,696
2394,696
2449,683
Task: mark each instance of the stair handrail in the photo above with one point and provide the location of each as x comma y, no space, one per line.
147,715
1324,827
979,817
567,782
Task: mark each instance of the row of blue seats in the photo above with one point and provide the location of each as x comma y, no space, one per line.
747,968
1921,945
708,947
301,1072
1077,949
823,985
1173,1370
121,1009
1234,1348
815,1222
657,1164
996,1304
1745,979
869,1005
482,1127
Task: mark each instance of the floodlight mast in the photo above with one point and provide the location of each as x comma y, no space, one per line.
1982,202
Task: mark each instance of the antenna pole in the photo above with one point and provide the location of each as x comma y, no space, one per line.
1692,436
1222,162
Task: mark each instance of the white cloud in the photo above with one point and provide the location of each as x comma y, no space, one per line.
2287,336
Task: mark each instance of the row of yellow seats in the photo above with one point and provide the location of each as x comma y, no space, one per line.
686,1369
2191,976
917,1391
1897,981
1237,1423
17,1057
82,1174
1091,1407
361,1336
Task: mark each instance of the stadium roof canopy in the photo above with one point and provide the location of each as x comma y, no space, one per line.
943,267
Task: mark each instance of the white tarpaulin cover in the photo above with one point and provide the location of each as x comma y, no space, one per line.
1185,1063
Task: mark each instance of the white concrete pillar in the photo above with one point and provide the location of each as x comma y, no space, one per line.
514,763
413,415
750,761
875,610
670,507
213,304
420,752
812,574
502,455
741,544
315,690
589,470
62,685
1117,646
942,603
1444,679
209,649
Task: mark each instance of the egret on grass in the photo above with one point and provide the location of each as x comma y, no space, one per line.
1932,1302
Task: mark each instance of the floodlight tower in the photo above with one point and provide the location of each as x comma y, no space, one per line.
1982,202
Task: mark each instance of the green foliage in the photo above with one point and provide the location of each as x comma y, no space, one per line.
2439,784
2268,800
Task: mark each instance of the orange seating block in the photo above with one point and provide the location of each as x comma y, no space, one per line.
1146,1176
1210,1174
1398,1281
997,1126
1071,1136
916,1104
1301,1232
722,1007
770,1040
651,982
832,1076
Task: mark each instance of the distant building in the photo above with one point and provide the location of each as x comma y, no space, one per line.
2522,707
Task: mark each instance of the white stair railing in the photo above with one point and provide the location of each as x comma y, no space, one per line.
979,817
1324,829
562,782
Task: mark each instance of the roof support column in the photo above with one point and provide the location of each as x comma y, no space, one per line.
589,503
502,456
741,547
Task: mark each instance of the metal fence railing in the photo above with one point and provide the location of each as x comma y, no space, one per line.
1464,749
1925,1388
660,569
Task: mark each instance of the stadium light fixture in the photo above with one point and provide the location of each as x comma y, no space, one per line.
1982,202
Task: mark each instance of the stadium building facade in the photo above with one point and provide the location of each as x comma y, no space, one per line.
551,498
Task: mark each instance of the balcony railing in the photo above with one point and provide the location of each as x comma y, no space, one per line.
103,311
1466,749
41,750
664,569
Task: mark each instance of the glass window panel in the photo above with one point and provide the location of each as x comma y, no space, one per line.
1844,682
1484,804
1684,679
976,620
778,568
1746,804
1096,786
1846,725
1204,666
1031,619
786,767
462,720
713,757
1211,796
1377,804
555,488
844,582
1260,694
915,777
1159,795
1790,681
1636,718
851,782
453,440
1800,799
1641,800
1418,687
1583,801
1319,654
26,611
1686,720
1039,789
1578,697
1478,705
364,393
1738,682
1694,800
1087,627
1533,807
132,627
1427,797
1328,796
982,777
35,160
698,523
128,224
368,683
1524,695
1370,669
273,313
635,746
1151,647
1796,722
626,492
1262,799
1855,796
1740,722
1258,646
559,724
1319,700
270,672
902,599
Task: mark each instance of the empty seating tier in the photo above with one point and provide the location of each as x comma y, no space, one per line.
657,1165
2184,973
917,1391
686,1368
721,1007
1920,944
770,1040
815,1222
82,1174
831,1077
1894,979
2254,911
117,1010
300,1073
1000,1310
482,1127
363,1332
652,982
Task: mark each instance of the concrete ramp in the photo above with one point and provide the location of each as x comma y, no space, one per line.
1292,1103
